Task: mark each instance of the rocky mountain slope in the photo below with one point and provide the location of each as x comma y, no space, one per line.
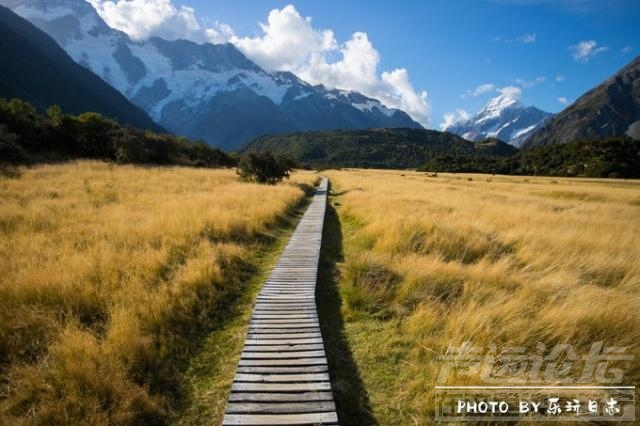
36,69
610,109
203,91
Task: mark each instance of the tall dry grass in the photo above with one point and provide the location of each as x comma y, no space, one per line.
109,275
437,261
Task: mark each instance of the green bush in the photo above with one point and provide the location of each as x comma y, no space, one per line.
264,167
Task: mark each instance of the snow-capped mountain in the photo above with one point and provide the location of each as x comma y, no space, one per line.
203,91
503,117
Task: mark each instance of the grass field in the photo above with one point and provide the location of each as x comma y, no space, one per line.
422,263
111,277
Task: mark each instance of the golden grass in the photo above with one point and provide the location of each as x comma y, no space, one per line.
110,275
431,262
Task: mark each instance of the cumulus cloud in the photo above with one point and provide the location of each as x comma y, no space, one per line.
289,42
142,19
452,118
563,100
586,50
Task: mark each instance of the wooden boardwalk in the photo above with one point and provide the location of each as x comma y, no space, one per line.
282,377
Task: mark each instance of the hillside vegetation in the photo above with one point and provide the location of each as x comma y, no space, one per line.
615,157
111,276
380,148
434,151
27,136
429,262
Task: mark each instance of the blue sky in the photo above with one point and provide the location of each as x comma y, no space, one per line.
460,52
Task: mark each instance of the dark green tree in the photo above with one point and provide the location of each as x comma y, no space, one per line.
264,167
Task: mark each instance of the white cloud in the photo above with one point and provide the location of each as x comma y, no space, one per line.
452,118
480,90
289,42
560,78
586,50
527,38
510,92
563,100
526,84
142,19
626,49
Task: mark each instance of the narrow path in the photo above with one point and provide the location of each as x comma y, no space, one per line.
282,377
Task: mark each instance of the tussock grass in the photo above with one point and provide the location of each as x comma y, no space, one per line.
111,275
431,262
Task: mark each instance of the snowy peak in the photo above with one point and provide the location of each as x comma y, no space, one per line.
497,107
503,117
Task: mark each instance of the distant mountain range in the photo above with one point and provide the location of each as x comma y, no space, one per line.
504,118
202,91
610,109
36,69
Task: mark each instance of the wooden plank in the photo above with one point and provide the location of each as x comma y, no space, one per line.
296,325
260,316
283,348
280,378
289,330
282,362
288,311
284,321
280,336
278,355
280,419
279,407
280,397
294,341
284,369
280,387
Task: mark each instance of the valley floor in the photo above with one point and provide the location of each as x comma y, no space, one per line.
125,292
417,263
114,278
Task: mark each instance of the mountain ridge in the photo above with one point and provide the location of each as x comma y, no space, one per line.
36,69
612,108
503,117
203,91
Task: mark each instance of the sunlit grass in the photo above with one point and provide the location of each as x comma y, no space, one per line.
110,275
431,262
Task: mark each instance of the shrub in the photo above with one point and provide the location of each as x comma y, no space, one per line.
264,167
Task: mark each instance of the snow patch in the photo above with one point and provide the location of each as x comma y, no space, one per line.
517,133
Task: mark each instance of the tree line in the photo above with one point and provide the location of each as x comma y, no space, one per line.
28,136
613,157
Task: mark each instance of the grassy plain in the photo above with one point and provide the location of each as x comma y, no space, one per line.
112,276
428,262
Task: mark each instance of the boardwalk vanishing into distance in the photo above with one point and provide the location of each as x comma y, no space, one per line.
282,377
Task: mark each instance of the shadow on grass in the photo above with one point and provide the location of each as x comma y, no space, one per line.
352,400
